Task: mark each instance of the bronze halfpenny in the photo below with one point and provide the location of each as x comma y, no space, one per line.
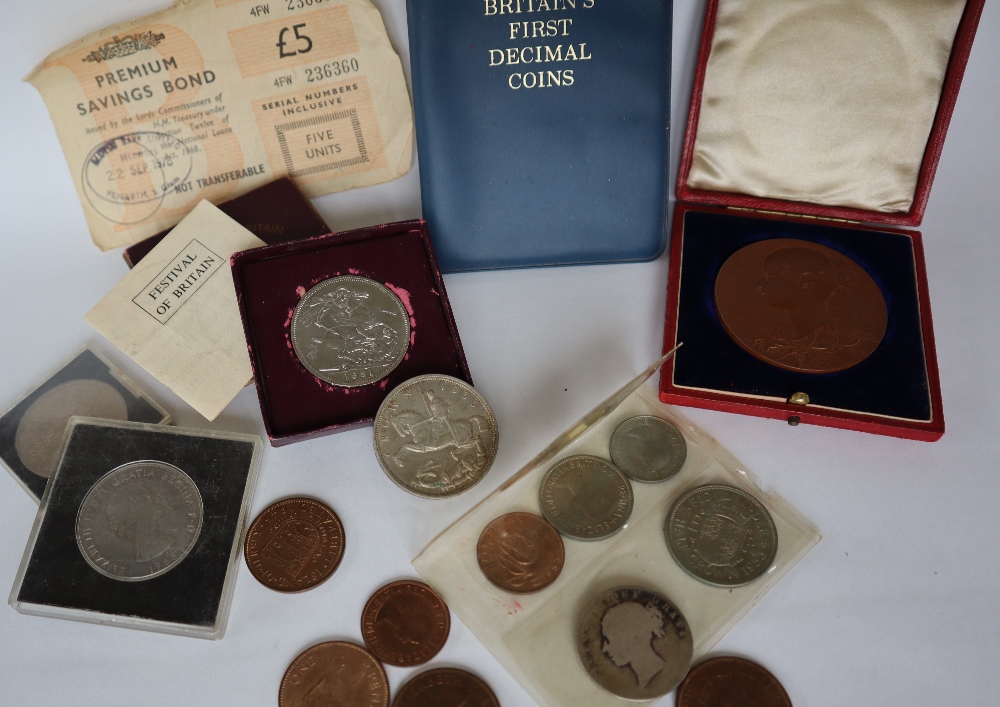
731,682
800,306
334,674
445,687
294,545
405,623
520,553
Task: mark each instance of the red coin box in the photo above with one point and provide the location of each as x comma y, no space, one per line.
880,69
271,280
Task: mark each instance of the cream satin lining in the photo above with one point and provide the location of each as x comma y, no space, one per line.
823,101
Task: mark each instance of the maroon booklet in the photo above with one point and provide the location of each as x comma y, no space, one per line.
275,213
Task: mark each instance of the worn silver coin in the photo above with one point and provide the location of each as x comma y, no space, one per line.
648,448
634,643
139,521
721,535
586,497
435,436
40,431
350,331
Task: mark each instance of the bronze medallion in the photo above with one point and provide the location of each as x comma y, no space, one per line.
334,674
800,306
731,682
405,623
294,545
520,553
445,687
40,431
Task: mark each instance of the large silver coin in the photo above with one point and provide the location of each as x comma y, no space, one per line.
634,643
40,431
350,331
722,535
648,448
139,521
435,436
586,497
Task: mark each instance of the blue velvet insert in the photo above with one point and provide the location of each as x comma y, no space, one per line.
892,381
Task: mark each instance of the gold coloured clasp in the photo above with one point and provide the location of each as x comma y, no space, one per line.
797,399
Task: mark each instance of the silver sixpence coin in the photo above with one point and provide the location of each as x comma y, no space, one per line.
139,521
586,497
40,431
435,436
721,535
648,448
634,643
350,331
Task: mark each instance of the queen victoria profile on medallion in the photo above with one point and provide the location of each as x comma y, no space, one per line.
800,306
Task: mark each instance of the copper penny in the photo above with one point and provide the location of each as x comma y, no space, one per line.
334,674
405,623
294,545
521,553
731,682
445,687
800,306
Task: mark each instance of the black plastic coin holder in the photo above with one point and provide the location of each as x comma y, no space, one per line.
88,365
535,635
190,599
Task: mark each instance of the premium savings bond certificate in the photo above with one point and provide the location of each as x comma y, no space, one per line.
212,98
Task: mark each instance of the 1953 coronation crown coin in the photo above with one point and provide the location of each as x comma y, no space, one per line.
350,331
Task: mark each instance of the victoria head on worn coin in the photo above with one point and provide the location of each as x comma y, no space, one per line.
520,553
334,674
648,448
294,545
139,521
728,681
405,623
445,687
800,306
350,331
40,431
435,436
634,643
722,535
586,497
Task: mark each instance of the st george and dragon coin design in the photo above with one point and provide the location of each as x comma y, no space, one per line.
648,448
634,643
721,535
586,497
800,306
139,521
435,436
350,331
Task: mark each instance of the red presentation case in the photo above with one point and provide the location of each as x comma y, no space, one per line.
271,280
690,313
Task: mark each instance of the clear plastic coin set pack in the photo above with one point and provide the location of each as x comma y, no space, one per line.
31,430
666,542
140,527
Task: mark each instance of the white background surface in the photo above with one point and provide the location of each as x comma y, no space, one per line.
896,606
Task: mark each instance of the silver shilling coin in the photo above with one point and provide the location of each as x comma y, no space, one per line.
721,535
139,521
648,448
634,643
40,431
435,436
586,497
350,331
